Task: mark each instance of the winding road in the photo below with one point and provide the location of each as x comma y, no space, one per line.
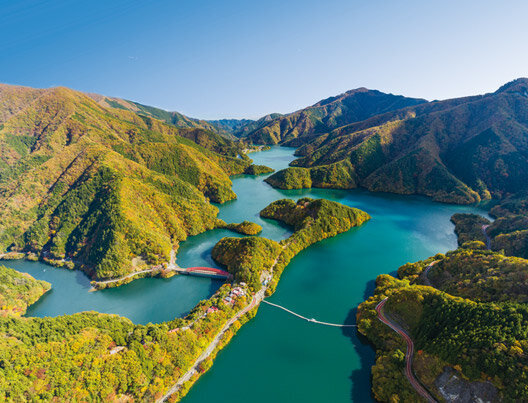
409,353
426,274
172,266
485,232
257,299
115,280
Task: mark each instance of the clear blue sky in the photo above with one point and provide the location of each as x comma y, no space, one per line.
230,58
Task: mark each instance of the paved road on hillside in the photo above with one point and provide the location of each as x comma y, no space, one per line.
408,355
426,274
257,299
212,346
485,232
114,280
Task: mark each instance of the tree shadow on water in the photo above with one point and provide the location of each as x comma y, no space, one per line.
370,286
215,285
361,377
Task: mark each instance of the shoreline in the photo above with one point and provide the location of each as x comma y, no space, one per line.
153,271
290,247
269,275
213,348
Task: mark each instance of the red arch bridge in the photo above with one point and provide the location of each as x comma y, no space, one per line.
205,272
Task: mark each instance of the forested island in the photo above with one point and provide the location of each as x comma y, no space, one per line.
257,170
245,227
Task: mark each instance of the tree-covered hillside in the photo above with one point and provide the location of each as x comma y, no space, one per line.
467,315
105,187
466,311
461,150
99,357
508,233
18,291
228,128
242,127
173,118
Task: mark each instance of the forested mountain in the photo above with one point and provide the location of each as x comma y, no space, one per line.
353,106
459,150
242,127
470,329
230,126
106,187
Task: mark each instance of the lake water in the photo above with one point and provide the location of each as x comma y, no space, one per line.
277,357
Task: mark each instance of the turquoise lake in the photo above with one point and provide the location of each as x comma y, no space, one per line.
277,357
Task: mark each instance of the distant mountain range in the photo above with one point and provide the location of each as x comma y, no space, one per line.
356,105
229,128
275,128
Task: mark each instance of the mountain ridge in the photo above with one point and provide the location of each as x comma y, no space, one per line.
424,149
351,106
104,187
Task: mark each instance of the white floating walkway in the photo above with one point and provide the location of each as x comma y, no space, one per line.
306,319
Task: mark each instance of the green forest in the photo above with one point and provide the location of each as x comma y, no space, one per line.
467,312
112,187
18,291
460,150
93,356
102,188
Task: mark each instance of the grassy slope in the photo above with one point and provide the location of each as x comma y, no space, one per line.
103,185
